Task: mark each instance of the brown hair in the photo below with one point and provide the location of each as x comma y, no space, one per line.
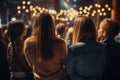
83,28
15,30
44,30
111,27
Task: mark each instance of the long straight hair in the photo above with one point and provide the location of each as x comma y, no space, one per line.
84,29
44,30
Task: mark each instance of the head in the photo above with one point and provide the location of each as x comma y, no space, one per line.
83,29
110,27
44,25
16,33
60,29
44,30
15,30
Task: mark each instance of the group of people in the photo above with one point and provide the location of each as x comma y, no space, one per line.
91,55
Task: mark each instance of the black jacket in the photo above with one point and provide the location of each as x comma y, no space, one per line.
112,70
4,68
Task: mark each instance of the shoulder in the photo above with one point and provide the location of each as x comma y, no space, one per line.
30,43
60,44
59,40
30,40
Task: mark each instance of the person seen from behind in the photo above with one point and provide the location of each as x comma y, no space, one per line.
45,53
111,29
17,62
86,57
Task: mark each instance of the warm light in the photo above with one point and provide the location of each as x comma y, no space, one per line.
80,8
96,5
23,2
84,11
31,6
94,11
13,19
19,11
99,6
57,18
43,9
100,14
86,7
98,10
104,14
23,7
106,5
92,14
88,13
28,2
103,9
90,6
81,12
34,14
18,7
109,9
26,10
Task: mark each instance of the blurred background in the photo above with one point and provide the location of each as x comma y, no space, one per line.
61,10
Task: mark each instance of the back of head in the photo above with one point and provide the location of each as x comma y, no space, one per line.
84,29
111,27
60,28
15,29
44,30
44,25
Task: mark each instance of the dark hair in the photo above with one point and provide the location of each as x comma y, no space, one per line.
84,29
45,31
15,30
60,28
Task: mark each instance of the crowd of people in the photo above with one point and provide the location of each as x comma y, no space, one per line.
47,51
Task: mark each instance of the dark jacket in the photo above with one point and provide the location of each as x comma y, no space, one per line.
86,61
4,69
112,70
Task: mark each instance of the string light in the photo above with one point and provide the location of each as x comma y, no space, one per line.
18,7
23,2
28,2
66,15
106,5
19,11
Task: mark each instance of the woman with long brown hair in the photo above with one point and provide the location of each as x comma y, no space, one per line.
45,53
17,62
